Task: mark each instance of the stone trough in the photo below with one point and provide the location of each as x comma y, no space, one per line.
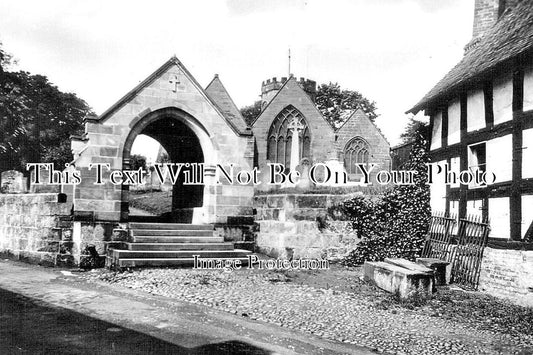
400,276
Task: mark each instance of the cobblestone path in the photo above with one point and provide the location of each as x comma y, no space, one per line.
337,315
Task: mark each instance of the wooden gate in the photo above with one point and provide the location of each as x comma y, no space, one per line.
439,240
472,240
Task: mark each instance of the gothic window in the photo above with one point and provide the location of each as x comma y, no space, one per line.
356,152
280,137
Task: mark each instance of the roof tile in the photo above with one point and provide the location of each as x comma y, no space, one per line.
511,36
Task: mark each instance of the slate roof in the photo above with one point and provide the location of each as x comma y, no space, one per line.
510,37
220,96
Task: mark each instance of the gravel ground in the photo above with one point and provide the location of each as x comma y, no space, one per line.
335,305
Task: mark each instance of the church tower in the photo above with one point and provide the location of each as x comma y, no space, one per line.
270,88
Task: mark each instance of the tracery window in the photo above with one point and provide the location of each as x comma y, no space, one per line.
356,152
280,137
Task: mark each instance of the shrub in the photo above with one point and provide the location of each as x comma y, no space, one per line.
395,224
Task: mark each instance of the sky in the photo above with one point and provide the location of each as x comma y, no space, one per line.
392,51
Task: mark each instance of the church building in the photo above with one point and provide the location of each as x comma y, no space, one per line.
197,125
289,121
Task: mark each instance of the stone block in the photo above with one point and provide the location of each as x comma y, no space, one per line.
398,280
311,201
239,220
441,268
305,214
228,200
96,193
50,247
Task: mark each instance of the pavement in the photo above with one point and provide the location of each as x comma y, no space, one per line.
52,311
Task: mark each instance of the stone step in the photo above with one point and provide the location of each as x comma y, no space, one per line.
172,232
180,239
179,246
167,226
185,262
177,254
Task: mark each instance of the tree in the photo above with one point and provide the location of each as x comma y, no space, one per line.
413,129
5,60
163,157
138,161
250,113
36,120
337,105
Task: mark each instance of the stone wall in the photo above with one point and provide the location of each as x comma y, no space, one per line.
33,228
508,274
37,228
296,207
239,230
359,125
108,139
296,226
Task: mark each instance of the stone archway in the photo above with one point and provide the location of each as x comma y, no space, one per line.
184,139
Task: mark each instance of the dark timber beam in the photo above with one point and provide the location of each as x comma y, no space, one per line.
515,202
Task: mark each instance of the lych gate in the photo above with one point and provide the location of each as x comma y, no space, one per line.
193,125
169,127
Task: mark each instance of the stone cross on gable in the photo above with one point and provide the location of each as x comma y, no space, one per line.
295,125
175,80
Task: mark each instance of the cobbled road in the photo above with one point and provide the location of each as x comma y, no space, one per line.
336,315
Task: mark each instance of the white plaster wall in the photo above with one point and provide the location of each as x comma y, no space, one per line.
527,213
499,217
502,99
437,191
528,89
437,131
527,153
475,110
473,208
500,158
454,122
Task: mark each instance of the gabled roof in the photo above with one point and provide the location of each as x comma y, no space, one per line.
359,113
510,37
291,77
220,96
150,79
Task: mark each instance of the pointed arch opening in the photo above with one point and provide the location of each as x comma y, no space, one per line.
356,151
279,139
